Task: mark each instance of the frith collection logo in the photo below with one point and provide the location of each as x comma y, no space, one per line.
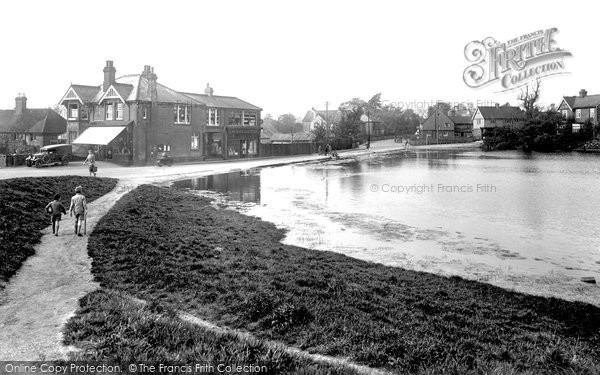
514,63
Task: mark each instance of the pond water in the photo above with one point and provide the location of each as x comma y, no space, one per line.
526,222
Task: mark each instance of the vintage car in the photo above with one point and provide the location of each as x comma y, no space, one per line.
51,155
164,159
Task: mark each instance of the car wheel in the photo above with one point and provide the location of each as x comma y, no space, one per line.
38,164
65,161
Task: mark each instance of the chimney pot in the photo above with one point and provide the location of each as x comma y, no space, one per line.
208,90
20,104
109,75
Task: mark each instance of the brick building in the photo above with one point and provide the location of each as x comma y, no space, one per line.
447,126
131,118
577,110
487,118
34,127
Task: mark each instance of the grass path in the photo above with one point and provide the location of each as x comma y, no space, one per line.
44,294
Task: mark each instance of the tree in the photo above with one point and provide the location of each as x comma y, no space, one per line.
287,124
445,107
320,133
529,99
349,125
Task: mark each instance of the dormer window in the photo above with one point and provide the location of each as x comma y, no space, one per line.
73,111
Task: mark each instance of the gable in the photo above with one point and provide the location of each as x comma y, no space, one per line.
111,93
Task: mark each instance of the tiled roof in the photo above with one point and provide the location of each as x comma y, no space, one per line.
33,120
461,119
218,101
334,114
585,102
135,87
86,93
501,112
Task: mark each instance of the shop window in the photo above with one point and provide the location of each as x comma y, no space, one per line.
195,142
213,117
235,118
109,111
213,144
73,111
253,147
249,119
119,111
182,113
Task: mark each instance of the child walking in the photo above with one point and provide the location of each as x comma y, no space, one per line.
56,209
79,207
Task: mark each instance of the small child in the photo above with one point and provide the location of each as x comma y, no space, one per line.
56,209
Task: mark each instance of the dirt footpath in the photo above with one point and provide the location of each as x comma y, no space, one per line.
44,294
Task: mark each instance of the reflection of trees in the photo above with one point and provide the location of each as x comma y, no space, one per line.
243,186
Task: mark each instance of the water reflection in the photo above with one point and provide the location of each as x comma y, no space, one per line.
243,186
538,229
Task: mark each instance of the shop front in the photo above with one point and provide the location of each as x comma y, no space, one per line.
213,145
242,143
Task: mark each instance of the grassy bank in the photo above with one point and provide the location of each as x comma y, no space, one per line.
173,248
109,326
22,214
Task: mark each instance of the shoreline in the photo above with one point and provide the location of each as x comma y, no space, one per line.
231,270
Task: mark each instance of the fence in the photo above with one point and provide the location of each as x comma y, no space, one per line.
421,142
287,149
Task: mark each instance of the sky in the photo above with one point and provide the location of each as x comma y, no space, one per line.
285,56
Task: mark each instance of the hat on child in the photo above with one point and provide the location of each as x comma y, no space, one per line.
78,189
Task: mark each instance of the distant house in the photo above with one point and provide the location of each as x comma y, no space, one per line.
488,118
579,109
447,126
37,127
315,117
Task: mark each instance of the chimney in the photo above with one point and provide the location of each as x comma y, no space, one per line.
20,104
497,105
208,90
109,75
149,74
582,93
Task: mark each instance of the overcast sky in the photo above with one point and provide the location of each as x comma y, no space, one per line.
284,56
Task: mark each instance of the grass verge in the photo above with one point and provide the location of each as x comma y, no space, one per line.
110,327
175,248
22,214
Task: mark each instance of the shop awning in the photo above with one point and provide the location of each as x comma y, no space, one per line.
99,135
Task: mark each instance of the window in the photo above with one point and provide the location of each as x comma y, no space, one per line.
593,113
445,134
163,148
447,125
565,113
249,119
182,113
72,136
195,142
119,111
578,113
73,111
235,118
144,112
84,113
493,121
213,117
33,137
109,111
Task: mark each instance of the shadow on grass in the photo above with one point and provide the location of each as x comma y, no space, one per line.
173,247
22,214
